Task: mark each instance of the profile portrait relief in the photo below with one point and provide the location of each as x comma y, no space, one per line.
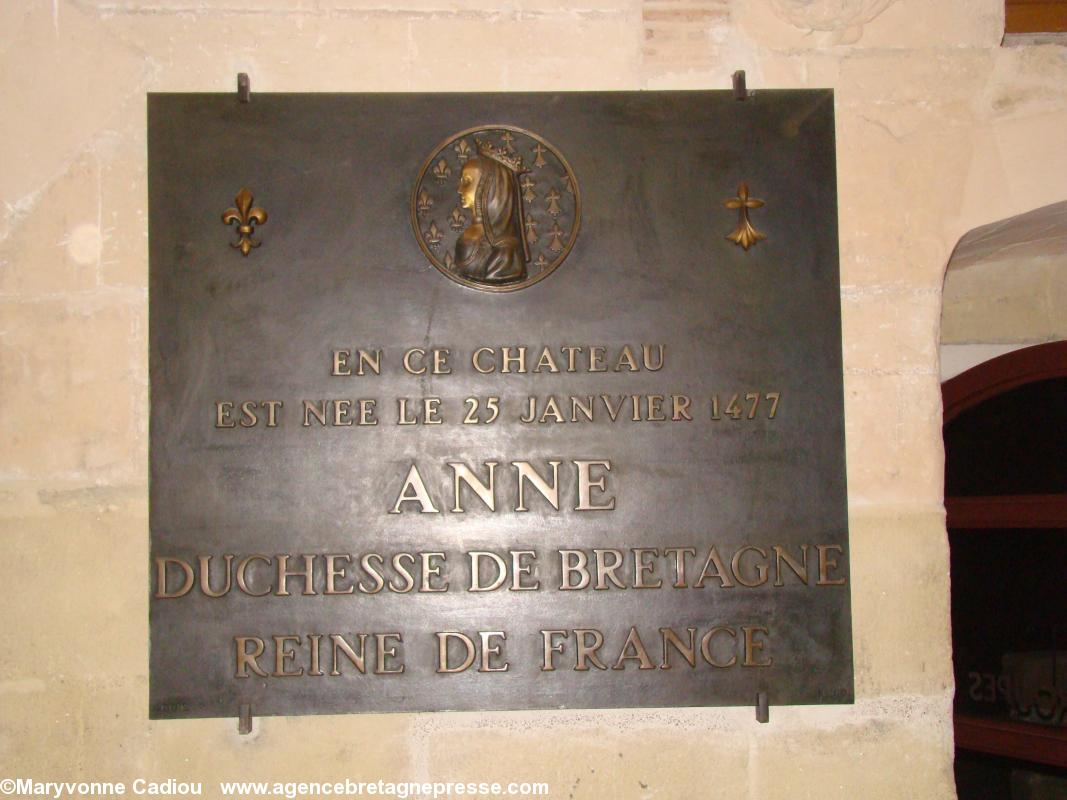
495,208
493,248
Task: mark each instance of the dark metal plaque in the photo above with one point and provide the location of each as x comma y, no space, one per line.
495,401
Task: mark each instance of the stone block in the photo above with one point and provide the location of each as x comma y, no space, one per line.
900,602
74,379
893,443
62,60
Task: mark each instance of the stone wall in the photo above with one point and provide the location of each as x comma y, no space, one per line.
939,130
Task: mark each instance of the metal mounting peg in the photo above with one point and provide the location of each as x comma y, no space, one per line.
740,90
244,87
763,707
244,719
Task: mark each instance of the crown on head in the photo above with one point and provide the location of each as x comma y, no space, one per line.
512,161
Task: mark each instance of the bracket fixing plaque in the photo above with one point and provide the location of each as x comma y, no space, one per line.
740,89
763,707
244,719
244,87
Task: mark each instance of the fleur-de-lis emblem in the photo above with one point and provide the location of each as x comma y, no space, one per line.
567,183
433,235
508,141
245,216
425,202
463,151
541,261
531,230
457,221
744,234
441,171
449,261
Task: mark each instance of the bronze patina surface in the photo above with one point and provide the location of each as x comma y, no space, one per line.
506,409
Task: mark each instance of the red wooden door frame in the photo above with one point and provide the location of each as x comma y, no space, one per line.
1045,745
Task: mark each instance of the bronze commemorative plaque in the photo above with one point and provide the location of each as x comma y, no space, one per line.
495,401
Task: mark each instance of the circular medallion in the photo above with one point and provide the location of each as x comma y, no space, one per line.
496,208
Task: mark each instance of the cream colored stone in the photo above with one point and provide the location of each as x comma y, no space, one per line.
74,390
62,61
897,759
613,754
900,602
889,331
893,438
66,573
1005,301
57,247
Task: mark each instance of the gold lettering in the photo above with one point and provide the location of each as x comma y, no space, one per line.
420,354
418,494
681,405
646,357
580,560
161,578
518,569
245,659
340,412
315,670
476,360
333,573
761,568
408,580
551,648
205,576
705,646
311,410
626,360
605,570
826,564
752,647
340,363
546,361
585,407
800,568
461,474
596,359
282,657
307,573
571,352
670,638
443,639
508,359
381,666
476,557
242,577
679,563
526,472
641,567
720,572
490,650
222,415
430,570
588,651
356,658
373,572
640,654
586,483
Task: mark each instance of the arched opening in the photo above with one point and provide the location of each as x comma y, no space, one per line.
1005,431
1004,367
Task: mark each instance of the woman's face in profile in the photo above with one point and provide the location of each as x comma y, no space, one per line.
468,183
